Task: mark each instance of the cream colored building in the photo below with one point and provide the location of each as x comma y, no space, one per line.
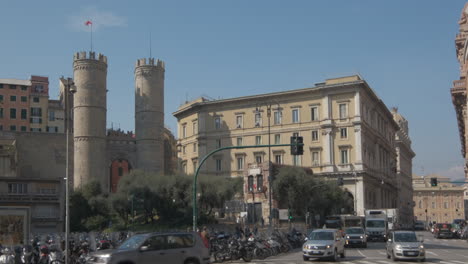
442,203
404,169
348,132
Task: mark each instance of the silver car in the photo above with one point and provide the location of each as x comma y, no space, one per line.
405,245
183,248
324,244
355,236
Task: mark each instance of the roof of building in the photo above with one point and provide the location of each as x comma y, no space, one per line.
16,82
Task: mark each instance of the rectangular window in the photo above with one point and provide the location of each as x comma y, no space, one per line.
218,164
258,140
24,99
344,132
277,117
277,139
296,160
36,99
217,122
240,163
259,182
344,156
24,88
13,98
343,111
250,184
314,114
23,129
1,127
258,119
24,114
1,85
184,167
239,141
239,121
35,129
295,134
258,158
195,127
218,143
445,205
315,158
184,149
51,115
295,115
315,135
1,98
1,112
12,113
13,87
433,205
278,158
36,111
194,147
17,188
12,128
184,131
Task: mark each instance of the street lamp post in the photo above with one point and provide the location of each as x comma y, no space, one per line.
268,106
69,88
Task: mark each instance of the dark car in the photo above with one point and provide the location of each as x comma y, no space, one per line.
443,230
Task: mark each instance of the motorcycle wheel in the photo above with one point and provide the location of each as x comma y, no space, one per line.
247,256
219,257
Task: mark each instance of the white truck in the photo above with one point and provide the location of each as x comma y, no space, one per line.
392,218
376,224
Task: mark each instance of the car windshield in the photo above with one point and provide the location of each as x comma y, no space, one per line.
133,243
321,236
354,231
375,223
405,237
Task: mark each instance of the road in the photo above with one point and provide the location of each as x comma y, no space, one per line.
444,251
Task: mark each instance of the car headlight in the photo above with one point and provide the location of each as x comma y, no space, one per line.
421,246
361,237
398,247
347,237
329,246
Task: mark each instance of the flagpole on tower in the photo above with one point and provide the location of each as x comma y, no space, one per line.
90,23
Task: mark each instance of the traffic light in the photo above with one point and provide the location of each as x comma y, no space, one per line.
434,182
290,215
340,181
297,145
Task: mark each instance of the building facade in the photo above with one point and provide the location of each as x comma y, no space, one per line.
348,132
459,91
441,203
404,169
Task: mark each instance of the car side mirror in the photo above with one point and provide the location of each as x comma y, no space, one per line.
144,248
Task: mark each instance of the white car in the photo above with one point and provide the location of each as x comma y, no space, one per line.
324,244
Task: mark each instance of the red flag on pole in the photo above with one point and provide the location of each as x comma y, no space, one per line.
87,23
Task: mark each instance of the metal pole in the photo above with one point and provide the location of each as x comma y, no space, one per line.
67,132
270,178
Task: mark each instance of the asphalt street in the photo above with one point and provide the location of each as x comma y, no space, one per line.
444,251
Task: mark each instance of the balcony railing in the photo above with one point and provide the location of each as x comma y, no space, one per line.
28,197
459,84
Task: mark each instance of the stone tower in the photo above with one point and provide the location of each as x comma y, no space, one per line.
89,122
149,114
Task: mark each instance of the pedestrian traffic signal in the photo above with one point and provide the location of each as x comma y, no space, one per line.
297,145
434,182
340,181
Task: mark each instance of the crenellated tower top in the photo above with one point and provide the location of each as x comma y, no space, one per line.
83,55
151,62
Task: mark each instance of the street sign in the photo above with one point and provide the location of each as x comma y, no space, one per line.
283,214
243,214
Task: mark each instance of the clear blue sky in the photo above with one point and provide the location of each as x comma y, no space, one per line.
404,49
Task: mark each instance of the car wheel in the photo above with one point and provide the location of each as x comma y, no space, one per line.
343,255
305,258
191,261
